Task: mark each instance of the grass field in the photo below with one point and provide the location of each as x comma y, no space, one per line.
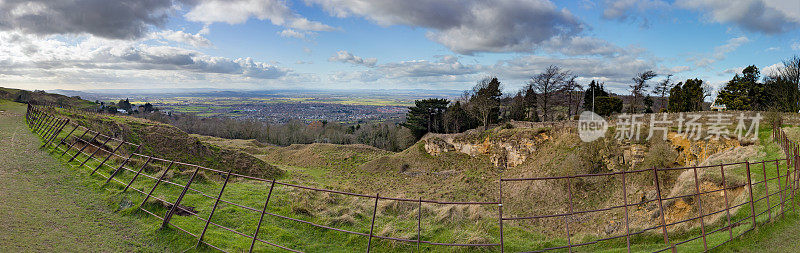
48,207
440,224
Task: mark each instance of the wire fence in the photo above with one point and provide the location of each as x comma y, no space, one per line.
774,201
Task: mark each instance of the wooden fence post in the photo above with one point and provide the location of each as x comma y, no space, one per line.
63,140
750,191
780,188
123,163
49,128
84,147
627,221
661,207
766,189
727,204
57,126
216,202
263,212
569,215
796,174
76,141
160,178
41,118
149,158
44,124
175,206
372,226
107,157
700,208
500,215
95,152
419,223
53,137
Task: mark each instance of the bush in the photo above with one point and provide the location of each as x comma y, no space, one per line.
607,105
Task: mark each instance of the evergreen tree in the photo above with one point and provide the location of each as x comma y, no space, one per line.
529,102
743,92
518,110
687,96
594,90
124,104
426,116
484,101
676,98
457,120
605,106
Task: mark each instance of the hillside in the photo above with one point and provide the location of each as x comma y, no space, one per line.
456,167
44,98
467,167
168,142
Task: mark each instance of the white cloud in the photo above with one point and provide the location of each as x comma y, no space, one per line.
239,11
579,45
771,69
468,26
796,46
347,57
28,55
678,69
765,16
720,52
291,33
196,40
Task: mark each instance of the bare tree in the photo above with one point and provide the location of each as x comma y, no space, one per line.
638,87
791,70
661,90
572,87
547,84
708,92
484,100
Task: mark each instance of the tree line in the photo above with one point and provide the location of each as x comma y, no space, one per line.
387,136
776,91
554,94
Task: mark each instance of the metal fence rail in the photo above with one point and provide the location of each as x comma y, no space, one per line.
50,127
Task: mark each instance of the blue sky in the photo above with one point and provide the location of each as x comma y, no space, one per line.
384,44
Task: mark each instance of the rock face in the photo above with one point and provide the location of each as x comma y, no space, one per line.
504,148
693,152
436,146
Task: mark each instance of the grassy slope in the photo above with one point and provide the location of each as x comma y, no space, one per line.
779,236
440,224
46,206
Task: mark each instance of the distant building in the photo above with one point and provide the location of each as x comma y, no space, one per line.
718,107
122,111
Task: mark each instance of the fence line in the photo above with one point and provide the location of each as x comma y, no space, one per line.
49,127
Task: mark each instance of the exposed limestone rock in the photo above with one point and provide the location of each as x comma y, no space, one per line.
693,152
435,146
504,147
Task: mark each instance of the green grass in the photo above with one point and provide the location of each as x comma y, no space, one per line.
47,207
350,213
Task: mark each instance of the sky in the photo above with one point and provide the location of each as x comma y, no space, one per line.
384,44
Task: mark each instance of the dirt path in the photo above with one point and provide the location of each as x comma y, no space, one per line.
45,206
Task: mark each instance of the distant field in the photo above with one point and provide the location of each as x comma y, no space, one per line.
282,109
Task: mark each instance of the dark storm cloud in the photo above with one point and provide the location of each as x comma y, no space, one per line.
116,19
